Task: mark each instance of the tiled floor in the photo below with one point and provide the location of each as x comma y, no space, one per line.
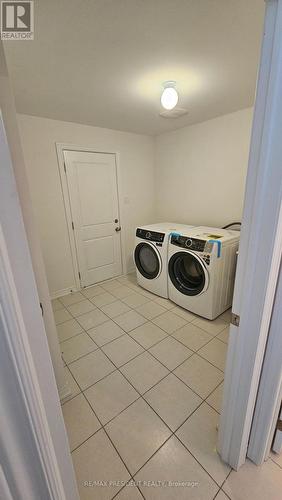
146,379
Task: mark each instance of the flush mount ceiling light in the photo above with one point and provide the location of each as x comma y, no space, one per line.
169,97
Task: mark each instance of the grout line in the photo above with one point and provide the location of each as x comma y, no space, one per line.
224,484
214,498
173,433
278,465
103,428
147,350
141,395
114,446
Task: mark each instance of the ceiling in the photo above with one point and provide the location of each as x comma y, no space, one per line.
103,62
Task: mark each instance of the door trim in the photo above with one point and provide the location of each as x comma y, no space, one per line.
258,261
60,148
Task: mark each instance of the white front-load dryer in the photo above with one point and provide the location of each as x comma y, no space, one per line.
150,255
201,270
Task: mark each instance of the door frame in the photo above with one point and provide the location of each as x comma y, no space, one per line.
259,258
268,402
29,363
60,148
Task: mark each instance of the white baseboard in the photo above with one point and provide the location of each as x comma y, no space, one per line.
64,291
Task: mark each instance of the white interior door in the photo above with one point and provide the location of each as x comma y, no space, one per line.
92,185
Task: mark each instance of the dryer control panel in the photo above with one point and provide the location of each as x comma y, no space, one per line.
191,243
150,235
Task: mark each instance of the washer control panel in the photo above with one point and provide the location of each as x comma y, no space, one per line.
150,235
186,242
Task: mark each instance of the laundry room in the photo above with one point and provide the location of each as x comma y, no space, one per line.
135,121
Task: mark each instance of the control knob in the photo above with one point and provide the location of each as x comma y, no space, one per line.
188,242
148,234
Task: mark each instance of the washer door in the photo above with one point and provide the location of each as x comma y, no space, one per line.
188,273
148,260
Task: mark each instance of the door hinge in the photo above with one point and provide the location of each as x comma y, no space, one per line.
235,319
72,225
79,275
65,168
41,307
279,425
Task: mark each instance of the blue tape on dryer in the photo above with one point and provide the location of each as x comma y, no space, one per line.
218,243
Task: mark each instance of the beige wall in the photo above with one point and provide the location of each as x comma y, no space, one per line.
195,174
201,170
136,155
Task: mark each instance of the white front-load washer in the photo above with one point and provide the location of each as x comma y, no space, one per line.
201,270
150,255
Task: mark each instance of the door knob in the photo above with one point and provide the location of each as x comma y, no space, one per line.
118,229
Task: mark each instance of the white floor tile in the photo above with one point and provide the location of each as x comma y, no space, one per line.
122,350
76,347
97,460
175,464
251,481
110,396
128,279
192,336
215,353
92,319
199,434
170,352
103,299
135,300
81,307
224,335
80,420
277,458
221,496
129,493
226,316
71,298
130,320
56,305
172,400
199,375
110,285
167,304
213,327
121,292
169,322
146,293
105,333
144,371
68,330
72,385
150,310
148,334
115,308
183,313
61,315
130,430
215,398
91,368
92,291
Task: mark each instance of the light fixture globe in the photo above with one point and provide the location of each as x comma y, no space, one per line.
169,97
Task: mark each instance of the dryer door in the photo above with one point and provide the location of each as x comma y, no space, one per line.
188,273
148,260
